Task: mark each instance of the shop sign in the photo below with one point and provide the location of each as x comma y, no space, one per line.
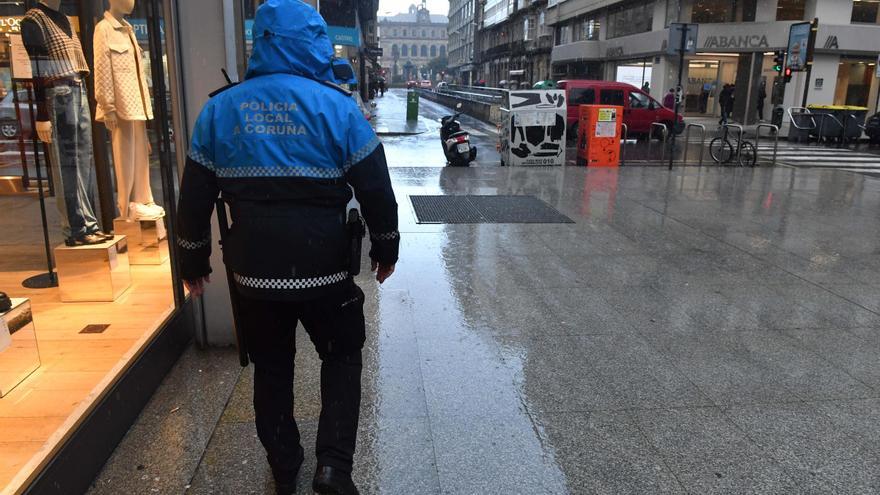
752,41
831,43
142,31
19,61
340,35
10,24
614,51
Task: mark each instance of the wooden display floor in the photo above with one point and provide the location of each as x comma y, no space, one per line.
77,368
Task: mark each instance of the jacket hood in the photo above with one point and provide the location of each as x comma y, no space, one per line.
290,37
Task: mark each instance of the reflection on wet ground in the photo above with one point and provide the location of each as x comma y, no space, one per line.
705,330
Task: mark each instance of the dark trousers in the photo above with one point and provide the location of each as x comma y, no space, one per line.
335,325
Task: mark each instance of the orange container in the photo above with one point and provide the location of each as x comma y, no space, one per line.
599,129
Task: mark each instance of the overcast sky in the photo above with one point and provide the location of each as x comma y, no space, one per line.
391,7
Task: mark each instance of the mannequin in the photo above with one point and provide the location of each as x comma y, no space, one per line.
63,117
124,106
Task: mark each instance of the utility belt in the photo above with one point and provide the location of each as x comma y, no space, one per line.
354,226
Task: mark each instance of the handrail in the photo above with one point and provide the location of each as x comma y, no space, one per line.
775,130
687,141
665,138
803,110
625,129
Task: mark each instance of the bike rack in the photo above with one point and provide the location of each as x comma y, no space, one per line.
775,130
665,138
687,141
625,130
739,138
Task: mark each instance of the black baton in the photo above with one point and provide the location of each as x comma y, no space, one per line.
356,233
233,293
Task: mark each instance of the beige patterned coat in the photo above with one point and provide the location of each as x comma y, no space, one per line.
120,82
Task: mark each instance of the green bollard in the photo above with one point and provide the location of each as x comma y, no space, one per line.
412,105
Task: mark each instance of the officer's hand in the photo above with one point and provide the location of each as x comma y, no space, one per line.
197,287
382,270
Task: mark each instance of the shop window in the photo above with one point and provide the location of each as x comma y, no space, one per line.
582,96
791,10
108,296
631,18
866,11
611,97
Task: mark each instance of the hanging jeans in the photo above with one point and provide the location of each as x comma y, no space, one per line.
70,155
132,164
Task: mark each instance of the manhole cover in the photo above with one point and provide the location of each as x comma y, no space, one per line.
485,209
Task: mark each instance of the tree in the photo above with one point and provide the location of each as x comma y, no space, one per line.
438,64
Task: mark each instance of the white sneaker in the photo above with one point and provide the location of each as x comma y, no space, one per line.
158,210
139,211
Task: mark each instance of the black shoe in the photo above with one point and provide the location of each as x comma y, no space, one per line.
84,240
285,476
105,236
332,481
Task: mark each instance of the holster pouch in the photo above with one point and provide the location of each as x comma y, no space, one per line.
356,232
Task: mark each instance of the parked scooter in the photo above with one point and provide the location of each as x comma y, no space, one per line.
456,142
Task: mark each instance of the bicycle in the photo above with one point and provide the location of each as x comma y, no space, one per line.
723,151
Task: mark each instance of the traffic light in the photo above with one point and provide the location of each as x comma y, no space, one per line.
787,78
778,61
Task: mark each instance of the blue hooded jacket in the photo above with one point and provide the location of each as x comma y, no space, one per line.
283,147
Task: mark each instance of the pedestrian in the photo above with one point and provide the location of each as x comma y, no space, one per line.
762,96
669,99
284,148
646,88
725,100
704,96
382,86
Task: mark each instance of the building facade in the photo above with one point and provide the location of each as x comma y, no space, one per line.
514,43
626,41
410,41
462,30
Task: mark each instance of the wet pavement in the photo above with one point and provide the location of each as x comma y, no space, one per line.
705,330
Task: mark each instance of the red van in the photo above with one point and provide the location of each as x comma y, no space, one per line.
639,109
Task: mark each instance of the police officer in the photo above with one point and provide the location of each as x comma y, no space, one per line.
285,147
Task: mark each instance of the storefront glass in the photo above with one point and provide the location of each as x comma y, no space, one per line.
791,10
713,11
631,18
866,11
856,82
87,181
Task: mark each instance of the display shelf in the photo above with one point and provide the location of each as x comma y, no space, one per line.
147,240
19,353
96,273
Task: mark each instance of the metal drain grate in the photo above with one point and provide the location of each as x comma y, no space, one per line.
485,209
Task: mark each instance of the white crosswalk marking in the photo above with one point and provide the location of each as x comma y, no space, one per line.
802,155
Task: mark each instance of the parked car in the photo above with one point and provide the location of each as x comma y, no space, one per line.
425,84
872,128
639,109
9,127
441,86
546,84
